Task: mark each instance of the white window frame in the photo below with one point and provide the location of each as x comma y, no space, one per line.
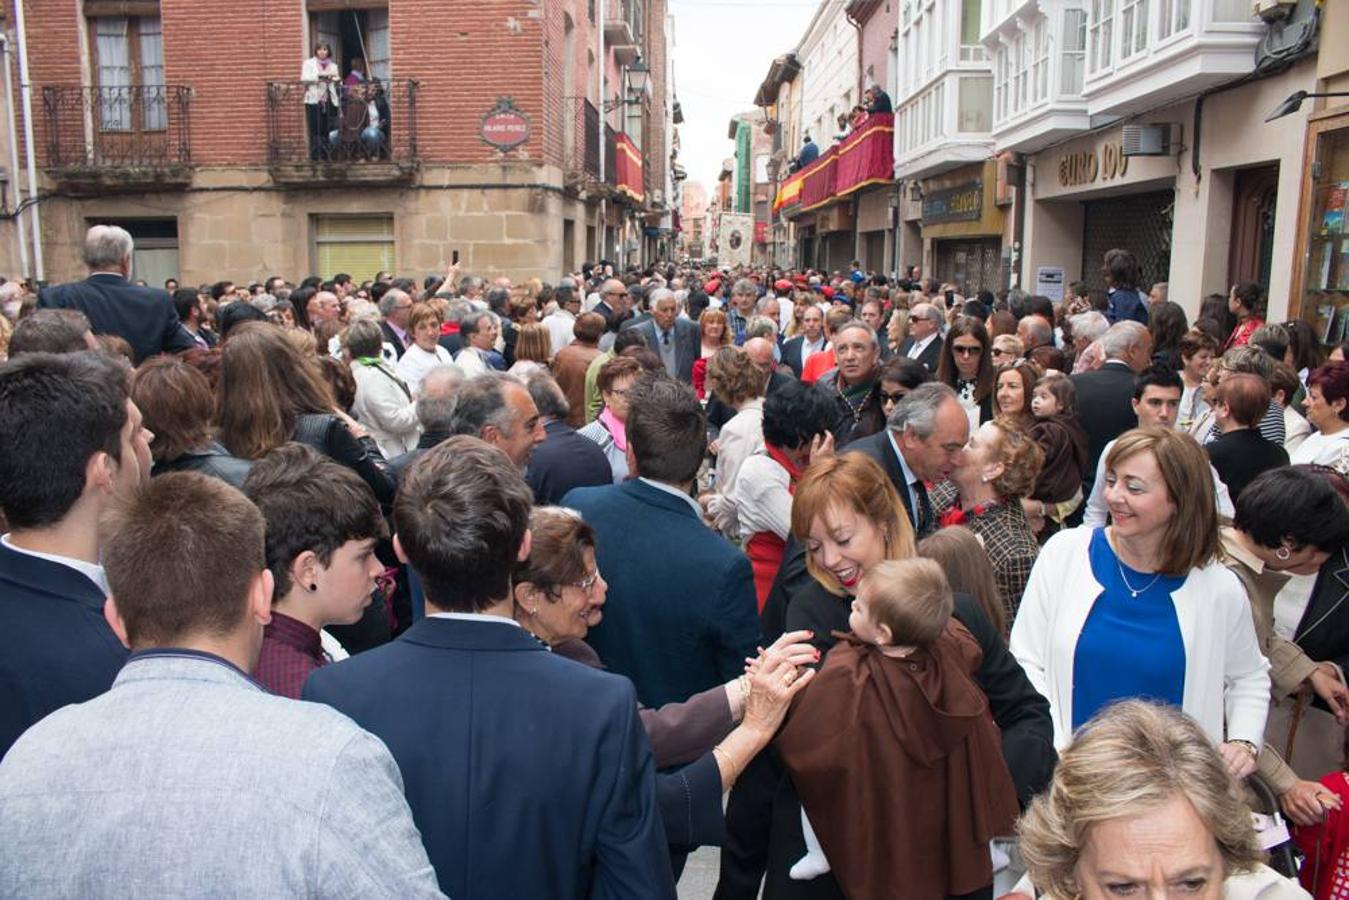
1100,37
1133,19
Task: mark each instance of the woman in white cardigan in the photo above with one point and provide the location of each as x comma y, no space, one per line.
384,404
1143,608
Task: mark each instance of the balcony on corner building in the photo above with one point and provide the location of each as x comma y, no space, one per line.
862,159
364,134
101,139
623,29
580,143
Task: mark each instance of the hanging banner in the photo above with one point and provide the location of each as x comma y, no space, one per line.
735,239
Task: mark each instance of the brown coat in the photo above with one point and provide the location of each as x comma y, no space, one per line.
569,368
899,767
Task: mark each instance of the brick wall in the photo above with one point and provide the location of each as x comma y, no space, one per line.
464,53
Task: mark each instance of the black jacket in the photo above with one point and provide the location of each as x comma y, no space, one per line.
392,339
145,317
327,434
931,355
215,461
565,460
847,428
877,446
1323,630
1239,456
1105,408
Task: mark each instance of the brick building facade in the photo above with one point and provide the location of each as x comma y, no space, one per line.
186,122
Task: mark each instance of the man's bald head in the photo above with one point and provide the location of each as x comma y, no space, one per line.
760,350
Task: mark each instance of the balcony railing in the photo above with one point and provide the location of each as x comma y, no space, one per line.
118,133
581,139
361,132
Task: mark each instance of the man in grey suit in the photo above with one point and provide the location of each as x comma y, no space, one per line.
186,778
676,341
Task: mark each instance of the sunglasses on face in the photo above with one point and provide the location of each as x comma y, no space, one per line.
891,398
967,351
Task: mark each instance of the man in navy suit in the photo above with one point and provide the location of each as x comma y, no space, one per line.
676,341
69,437
810,341
145,317
498,739
682,613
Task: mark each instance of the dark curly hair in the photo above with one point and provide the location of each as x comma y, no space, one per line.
794,414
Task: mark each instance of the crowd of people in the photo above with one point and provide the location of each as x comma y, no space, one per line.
449,587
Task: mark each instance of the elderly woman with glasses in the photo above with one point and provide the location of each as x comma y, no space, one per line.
559,596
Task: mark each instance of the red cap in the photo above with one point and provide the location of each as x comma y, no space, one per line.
711,286
827,291
782,284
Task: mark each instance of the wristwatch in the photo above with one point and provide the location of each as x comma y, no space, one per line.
1248,745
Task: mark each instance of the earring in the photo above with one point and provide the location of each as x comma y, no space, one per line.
1282,554
533,611
313,588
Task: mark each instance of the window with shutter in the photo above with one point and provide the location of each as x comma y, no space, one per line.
358,245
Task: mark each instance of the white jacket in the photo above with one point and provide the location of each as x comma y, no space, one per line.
385,408
1226,677
310,72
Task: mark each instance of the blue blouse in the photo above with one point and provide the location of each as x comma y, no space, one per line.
1129,647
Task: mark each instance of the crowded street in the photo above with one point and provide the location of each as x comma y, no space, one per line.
510,451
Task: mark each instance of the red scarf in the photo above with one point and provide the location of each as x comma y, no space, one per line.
778,456
958,516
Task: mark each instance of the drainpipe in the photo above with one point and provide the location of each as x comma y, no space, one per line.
14,157
26,94
604,213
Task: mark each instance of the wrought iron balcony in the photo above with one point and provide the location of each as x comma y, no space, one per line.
580,142
363,133
106,137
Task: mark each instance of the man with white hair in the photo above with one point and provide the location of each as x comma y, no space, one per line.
1105,396
144,317
676,341
924,342
1086,329
396,308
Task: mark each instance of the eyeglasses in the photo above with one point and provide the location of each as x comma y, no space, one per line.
588,583
965,350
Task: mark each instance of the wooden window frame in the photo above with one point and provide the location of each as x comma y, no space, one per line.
1336,119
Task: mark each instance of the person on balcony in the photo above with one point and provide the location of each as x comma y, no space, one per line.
321,76
877,100
357,76
809,153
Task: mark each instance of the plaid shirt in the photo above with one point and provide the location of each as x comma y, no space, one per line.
1007,538
290,651
1011,548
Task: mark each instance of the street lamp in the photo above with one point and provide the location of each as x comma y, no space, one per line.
1294,102
639,76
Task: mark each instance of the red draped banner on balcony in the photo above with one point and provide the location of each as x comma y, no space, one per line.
863,158
628,167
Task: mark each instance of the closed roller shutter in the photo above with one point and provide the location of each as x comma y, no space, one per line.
360,246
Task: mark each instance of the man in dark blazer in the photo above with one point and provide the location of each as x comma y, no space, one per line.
58,416
682,613
145,317
396,308
920,445
565,459
924,342
811,340
1105,396
676,341
494,735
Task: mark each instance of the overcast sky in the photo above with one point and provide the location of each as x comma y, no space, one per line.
721,55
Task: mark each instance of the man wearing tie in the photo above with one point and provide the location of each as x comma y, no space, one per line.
921,444
676,341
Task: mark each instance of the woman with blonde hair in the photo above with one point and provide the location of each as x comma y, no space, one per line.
270,393
1144,607
715,334
1142,805
533,349
847,518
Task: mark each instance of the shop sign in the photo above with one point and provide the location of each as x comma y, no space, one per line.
504,126
1090,166
963,203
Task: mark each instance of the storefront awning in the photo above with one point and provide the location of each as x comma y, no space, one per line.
863,158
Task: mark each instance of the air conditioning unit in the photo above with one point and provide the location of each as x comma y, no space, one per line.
1147,140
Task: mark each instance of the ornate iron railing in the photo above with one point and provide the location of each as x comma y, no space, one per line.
370,122
134,127
581,138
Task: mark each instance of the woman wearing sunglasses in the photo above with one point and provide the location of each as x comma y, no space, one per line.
967,367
